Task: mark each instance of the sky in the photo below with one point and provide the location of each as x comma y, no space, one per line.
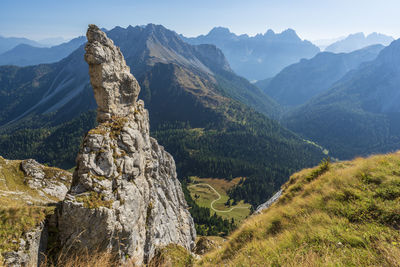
311,19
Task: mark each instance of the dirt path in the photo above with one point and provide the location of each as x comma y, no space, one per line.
215,200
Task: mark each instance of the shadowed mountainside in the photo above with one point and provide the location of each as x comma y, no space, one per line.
360,114
300,82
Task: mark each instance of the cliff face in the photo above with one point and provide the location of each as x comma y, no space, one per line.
125,196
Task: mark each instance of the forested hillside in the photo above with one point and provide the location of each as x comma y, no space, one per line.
298,83
360,114
213,122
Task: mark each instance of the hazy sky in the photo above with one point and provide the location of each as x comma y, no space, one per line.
312,19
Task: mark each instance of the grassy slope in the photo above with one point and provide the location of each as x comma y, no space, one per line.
345,215
207,195
16,215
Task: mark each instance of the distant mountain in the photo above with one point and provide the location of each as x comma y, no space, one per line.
360,114
298,83
26,55
324,43
357,41
7,43
212,121
52,41
261,56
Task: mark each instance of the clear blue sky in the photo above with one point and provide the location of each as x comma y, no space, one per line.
312,19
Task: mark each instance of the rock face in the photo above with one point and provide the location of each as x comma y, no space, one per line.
53,183
115,88
32,247
270,201
125,196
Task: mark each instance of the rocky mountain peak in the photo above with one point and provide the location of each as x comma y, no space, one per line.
125,197
115,88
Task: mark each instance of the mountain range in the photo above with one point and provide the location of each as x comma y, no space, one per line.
214,123
260,56
357,41
298,83
25,54
360,113
7,43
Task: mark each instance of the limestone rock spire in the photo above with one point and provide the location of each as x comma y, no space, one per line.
125,197
115,88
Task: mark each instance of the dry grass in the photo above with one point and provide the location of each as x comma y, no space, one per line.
85,259
16,216
94,200
347,215
172,255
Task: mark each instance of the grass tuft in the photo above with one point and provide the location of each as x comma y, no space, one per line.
94,200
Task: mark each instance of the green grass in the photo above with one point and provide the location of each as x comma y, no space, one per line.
17,216
207,195
341,214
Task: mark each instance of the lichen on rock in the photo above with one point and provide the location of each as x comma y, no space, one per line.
125,197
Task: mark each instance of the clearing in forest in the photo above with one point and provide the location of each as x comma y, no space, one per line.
212,193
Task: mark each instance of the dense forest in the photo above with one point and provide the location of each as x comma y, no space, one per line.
265,156
52,145
254,148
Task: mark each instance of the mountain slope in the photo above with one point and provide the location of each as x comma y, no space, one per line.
359,115
195,104
342,214
25,54
43,89
7,43
155,44
261,56
357,41
298,83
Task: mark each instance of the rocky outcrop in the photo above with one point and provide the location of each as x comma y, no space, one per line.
204,245
31,249
46,180
115,88
269,202
28,190
125,197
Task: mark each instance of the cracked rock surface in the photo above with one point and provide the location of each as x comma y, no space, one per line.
125,196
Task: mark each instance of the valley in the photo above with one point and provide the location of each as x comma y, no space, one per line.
170,144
